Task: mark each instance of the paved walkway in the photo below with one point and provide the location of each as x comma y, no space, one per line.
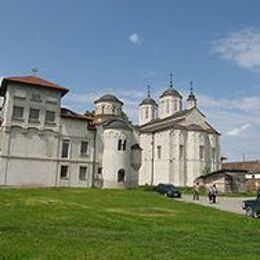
223,203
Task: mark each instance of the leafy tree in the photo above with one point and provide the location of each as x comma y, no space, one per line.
206,170
89,113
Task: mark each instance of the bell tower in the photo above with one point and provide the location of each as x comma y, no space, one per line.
147,109
170,101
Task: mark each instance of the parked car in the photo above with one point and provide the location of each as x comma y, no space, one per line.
168,190
252,207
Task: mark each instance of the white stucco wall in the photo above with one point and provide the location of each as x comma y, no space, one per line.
76,131
147,113
172,168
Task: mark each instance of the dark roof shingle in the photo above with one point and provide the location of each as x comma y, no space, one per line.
67,113
108,98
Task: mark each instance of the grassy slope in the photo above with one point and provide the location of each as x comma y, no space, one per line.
106,224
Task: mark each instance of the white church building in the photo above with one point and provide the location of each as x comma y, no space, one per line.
178,143
43,144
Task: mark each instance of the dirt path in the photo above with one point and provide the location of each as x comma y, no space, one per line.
223,203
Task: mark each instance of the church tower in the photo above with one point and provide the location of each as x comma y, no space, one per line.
147,109
170,101
192,101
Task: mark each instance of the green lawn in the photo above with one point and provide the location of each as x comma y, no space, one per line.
118,224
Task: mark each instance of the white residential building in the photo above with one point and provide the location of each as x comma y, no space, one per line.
43,144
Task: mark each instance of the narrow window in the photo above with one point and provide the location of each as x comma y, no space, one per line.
181,152
84,148
20,93
103,109
146,112
201,152
65,149
175,105
119,145
99,171
113,110
50,117
213,153
34,114
64,169
121,175
82,173
18,112
159,152
168,106
124,145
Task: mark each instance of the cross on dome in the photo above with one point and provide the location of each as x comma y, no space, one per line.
148,91
191,87
171,80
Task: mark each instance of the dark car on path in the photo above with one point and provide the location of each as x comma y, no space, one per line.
168,190
252,207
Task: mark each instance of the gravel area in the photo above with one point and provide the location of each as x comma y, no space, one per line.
223,203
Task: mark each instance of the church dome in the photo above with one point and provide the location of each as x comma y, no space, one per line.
171,92
108,98
148,101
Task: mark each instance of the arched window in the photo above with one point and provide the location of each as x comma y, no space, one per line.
124,145
103,109
146,112
121,175
168,106
113,110
175,105
119,144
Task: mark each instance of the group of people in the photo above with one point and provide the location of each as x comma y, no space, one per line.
212,193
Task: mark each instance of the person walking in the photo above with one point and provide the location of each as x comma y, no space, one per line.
210,193
214,194
196,191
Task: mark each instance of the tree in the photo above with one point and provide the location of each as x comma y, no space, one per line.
206,170
89,113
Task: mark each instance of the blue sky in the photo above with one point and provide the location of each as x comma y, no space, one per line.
120,46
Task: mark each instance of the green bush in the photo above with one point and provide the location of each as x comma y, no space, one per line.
147,187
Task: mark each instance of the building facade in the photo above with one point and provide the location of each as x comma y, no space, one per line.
43,144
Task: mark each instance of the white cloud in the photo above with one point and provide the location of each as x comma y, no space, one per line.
238,130
242,48
135,38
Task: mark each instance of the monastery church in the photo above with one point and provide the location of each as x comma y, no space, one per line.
44,144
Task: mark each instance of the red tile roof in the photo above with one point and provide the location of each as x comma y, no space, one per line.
253,166
35,81
73,115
